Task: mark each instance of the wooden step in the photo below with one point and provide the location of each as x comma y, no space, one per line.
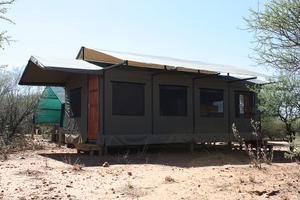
89,148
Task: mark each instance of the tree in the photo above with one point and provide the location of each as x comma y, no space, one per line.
17,105
282,98
277,34
4,38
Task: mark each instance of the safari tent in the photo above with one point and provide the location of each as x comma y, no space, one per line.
118,98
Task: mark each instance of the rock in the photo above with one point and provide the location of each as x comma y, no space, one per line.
105,164
274,192
129,173
169,179
259,193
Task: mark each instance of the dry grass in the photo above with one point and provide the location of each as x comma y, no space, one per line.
252,179
3,154
241,180
131,192
19,143
29,172
77,167
129,185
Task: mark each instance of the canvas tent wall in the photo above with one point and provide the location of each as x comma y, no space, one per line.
167,108
50,110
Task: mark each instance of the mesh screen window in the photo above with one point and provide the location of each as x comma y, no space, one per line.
211,103
128,98
75,102
244,104
173,100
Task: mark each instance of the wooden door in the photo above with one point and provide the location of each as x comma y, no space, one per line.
93,107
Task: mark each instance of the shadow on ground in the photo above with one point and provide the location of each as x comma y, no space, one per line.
164,155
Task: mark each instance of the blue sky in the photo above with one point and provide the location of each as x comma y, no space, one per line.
206,30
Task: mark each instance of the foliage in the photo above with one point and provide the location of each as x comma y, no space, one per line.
296,126
19,142
262,153
4,39
281,99
237,135
46,131
276,31
292,155
273,127
17,106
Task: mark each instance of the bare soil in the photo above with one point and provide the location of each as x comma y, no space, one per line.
161,173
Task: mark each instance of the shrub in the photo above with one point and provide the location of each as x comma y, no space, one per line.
273,127
292,155
261,154
17,106
296,126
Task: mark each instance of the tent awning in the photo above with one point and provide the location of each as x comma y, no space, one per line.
54,72
159,62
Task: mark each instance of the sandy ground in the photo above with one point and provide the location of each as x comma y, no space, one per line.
60,173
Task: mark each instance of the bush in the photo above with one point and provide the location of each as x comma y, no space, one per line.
46,131
19,142
296,126
292,155
273,127
17,106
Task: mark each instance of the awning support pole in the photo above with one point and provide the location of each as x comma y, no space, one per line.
124,63
206,76
244,79
228,110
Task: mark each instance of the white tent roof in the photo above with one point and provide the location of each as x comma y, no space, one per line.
54,72
64,64
180,64
38,65
150,61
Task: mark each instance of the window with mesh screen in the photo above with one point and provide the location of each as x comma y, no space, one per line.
75,102
173,100
128,98
244,104
211,103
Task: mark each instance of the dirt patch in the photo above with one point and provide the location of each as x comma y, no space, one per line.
60,173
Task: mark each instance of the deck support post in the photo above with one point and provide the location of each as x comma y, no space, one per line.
60,137
192,147
230,145
104,150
